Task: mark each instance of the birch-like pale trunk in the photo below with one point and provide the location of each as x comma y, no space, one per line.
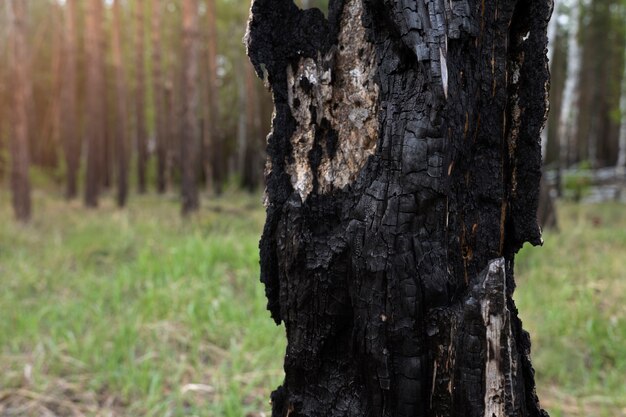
568,118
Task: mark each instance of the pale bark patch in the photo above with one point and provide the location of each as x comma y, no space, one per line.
340,87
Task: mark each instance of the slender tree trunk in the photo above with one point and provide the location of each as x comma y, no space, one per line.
213,153
108,133
242,126
36,154
552,32
3,145
189,103
404,169
568,119
159,94
252,166
50,130
621,154
140,93
3,95
121,134
95,101
20,59
171,130
546,212
69,126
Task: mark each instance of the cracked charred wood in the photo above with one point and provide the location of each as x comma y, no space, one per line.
402,177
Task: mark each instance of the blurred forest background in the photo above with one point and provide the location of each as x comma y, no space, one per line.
150,96
116,115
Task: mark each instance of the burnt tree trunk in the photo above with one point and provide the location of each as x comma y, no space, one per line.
20,181
403,176
190,130
95,102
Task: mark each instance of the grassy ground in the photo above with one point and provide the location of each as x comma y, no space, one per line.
572,297
137,313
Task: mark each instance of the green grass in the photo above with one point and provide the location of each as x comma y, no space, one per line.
139,313
572,297
136,311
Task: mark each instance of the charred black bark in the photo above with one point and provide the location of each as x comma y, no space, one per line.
403,176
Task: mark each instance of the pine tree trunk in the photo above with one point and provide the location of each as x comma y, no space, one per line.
53,129
108,135
159,95
69,126
546,212
95,101
121,134
252,166
213,153
171,129
20,182
621,154
140,93
190,133
242,126
403,176
4,104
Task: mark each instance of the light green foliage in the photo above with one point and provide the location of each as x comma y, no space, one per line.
127,310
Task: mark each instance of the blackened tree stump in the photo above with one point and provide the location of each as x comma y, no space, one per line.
402,177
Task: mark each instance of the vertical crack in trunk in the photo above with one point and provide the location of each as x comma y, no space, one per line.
495,314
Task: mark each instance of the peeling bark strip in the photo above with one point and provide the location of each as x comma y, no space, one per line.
403,176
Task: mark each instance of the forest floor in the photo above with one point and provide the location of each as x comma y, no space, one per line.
139,313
